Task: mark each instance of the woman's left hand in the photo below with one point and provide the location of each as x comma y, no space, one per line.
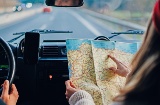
70,89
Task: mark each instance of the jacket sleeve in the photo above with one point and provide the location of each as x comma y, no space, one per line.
1,102
81,97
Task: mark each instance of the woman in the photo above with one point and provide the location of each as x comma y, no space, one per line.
143,82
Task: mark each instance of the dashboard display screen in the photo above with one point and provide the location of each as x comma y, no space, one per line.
3,59
4,66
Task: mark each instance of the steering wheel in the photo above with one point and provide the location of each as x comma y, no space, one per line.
102,38
11,60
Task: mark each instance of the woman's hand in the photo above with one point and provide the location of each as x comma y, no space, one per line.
9,99
121,70
70,89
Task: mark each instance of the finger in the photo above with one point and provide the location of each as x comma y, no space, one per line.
114,59
123,64
5,88
116,71
14,89
14,93
67,83
72,85
113,69
117,61
66,93
67,98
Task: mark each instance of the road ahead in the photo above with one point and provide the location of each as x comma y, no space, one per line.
67,19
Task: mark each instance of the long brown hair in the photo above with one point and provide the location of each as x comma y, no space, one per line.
143,83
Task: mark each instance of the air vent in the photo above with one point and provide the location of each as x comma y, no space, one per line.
49,51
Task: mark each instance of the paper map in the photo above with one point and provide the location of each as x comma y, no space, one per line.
88,64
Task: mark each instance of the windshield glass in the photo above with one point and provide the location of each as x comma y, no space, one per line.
95,18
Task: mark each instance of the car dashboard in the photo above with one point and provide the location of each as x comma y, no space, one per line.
42,83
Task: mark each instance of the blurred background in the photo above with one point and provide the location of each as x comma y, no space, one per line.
94,18
137,11
8,5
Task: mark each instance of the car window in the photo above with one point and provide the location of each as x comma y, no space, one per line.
95,18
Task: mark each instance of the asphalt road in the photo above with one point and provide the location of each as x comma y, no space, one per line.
82,24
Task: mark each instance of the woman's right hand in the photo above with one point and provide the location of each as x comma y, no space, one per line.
122,69
9,98
70,89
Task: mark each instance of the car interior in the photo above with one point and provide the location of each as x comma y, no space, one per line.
39,66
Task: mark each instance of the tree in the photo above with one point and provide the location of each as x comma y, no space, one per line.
32,1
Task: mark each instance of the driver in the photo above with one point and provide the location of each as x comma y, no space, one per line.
143,85
66,2
6,97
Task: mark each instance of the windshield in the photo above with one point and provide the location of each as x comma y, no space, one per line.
95,18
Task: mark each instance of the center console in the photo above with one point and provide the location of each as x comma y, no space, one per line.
51,76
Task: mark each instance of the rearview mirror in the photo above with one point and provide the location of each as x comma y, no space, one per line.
64,3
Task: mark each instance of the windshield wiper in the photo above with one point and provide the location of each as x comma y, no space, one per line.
119,33
126,32
43,32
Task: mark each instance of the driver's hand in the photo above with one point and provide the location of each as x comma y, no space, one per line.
121,70
9,99
70,89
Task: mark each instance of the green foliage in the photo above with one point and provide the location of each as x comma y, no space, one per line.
32,1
